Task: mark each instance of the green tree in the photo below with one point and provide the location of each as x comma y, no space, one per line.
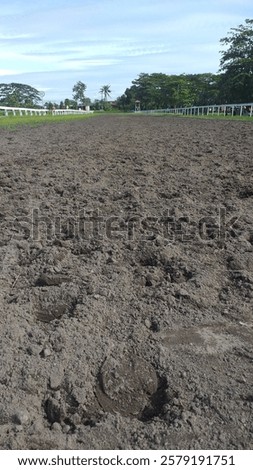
158,91
87,101
50,105
79,92
71,104
105,92
96,105
204,89
236,64
20,95
126,102
161,91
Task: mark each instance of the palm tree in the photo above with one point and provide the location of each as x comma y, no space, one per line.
105,92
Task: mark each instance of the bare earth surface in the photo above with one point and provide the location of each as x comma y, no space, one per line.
126,284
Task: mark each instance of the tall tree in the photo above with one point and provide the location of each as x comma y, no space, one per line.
79,92
105,92
204,88
237,64
20,95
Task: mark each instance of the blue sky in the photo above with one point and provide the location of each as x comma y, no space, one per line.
51,44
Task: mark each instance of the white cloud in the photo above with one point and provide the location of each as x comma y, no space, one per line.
4,72
11,37
88,63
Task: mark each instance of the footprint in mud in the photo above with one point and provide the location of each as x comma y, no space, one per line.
206,339
51,279
126,385
51,303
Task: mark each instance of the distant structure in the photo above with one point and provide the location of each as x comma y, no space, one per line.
137,106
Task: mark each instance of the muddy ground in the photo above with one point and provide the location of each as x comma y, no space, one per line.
126,275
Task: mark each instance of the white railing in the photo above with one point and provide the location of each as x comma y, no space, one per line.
40,112
71,111
23,111
241,109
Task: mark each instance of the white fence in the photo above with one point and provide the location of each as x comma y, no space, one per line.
72,111
41,112
241,109
23,111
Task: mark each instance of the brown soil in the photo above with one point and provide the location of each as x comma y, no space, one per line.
126,274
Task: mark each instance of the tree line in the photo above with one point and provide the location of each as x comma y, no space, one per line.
161,91
25,96
232,84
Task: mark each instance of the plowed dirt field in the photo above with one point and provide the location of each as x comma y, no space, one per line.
126,284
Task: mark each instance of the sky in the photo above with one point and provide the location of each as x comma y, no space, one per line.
52,44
